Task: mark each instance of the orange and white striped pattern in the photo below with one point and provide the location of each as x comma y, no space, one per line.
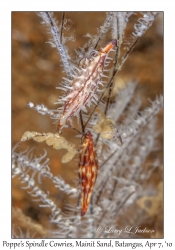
88,167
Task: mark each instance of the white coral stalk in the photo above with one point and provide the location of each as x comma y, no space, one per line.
42,109
47,18
21,163
144,23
